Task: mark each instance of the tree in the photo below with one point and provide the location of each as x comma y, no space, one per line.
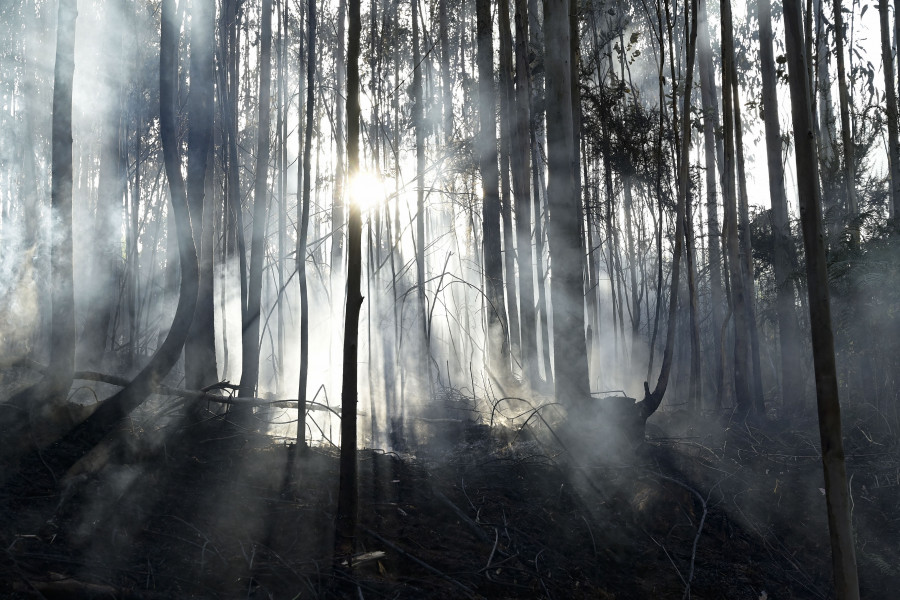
521,153
250,337
788,327
837,493
564,231
890,101
103,420
51,392
711,146
486,144
652,400
200,347
849,157
732,243
304,220
347,494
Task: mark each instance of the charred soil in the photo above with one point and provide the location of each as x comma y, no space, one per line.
233,514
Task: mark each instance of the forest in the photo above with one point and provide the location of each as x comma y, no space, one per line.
431,299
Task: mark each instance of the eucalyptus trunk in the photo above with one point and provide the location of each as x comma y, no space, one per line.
486,143
251,329
564,231
837,493
348,495
785,259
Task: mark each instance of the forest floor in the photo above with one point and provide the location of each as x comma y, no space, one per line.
738,513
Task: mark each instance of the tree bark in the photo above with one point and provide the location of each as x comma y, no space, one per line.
304,221
711,145
849,162
521,153
785,259
418,119
507,148
250,338
337,214
497,349
837,496
200,348
103,420
564,231
746,251
738,300
652,400
345,525
110,196
890,95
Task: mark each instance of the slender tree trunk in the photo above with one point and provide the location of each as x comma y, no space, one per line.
652,400
348,499
695,385
304,220
200,348
337,213
536,43
111,193
710,124
738,301
53,389
250,357
636,295
837,496
419,126
788,327
849,162
81,439
569,348
746,251
890,94
522,192
446,80
497,349
507,147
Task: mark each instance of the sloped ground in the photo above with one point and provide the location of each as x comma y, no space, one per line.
737,514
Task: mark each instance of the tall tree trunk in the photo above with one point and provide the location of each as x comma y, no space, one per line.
890,94
103,420
111,193
250,339
746,249
536,44
636,296
304,220
569,348
507,148
446,80
849,162
738,300
345,525
837,495
521,152
710,143
653,399
51,392
788,326
496,348
419,126
200,348
337,212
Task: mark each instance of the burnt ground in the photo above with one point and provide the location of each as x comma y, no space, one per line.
225,513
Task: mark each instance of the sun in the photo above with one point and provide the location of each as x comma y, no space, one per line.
367,190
